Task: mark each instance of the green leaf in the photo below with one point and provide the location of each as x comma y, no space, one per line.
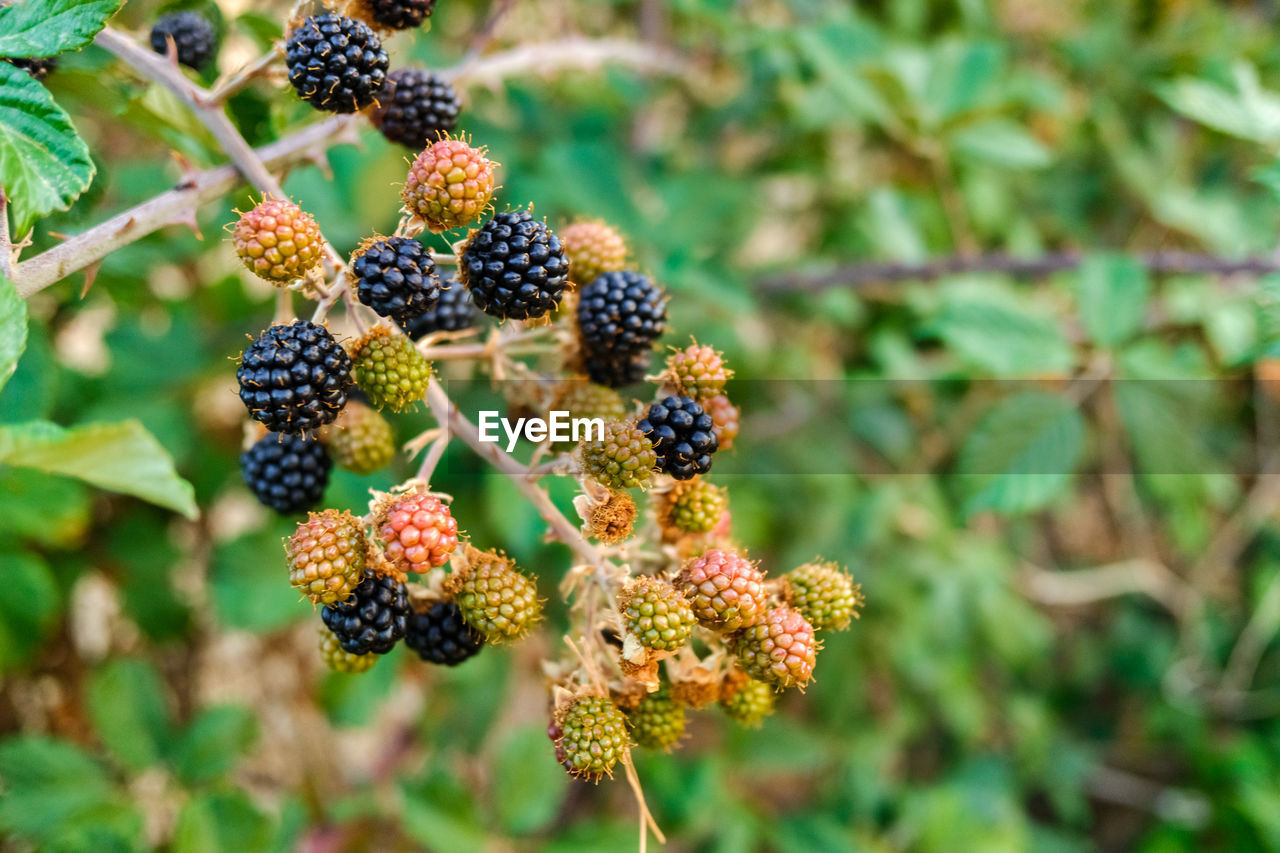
219,822
13,328
993,332
52,790
1022,454
1248,111
28,608
529,784
127,704
1002,142
213,743
121,457
50,27
44,164
1111,293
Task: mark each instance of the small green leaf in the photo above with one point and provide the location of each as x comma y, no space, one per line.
120,457
127,704
529,784
50,27
1022,454
44,164
217,822
28,608
1111,293
1002,142
13,329
993,332
212,743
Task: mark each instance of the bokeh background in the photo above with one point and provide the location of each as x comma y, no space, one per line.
1072,581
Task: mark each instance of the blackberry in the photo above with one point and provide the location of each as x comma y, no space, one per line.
336,63
339,659
780,649
620,314
288,473
400,14
515,267
294,377
656,613
593,248
682,434
194,38
658,721
440,636
396,277
454,312
39,68
326,556
824,594
622,458
416,108
448,185
389,369
593,737
373,618
616,371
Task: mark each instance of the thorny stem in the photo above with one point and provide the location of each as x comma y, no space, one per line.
230,84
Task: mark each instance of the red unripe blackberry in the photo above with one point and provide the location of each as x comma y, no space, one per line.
39,68
453,313
400,14
514,267
294,377
326,556
278,241
824,594
193,36
417,531
622,459
449,185
440,636
593,736
339,659
724,419
373,619
592,248
750,703
336,63
360,440
396,277
495,598
726,591
288,473
656,613
697,371
780,649
657,722
621,314
416,108
389,369
682,435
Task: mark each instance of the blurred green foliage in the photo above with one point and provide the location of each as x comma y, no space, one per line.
787,138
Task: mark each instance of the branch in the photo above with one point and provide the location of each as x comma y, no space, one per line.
1085,586
571,53
863,275
175,207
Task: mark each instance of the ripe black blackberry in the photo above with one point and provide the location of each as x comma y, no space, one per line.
615,371
373,619
294,377
396,277
288,473
38,68
515,267
682,435
440,636
400,14
194,38
336,63
416,108
621,313
454,312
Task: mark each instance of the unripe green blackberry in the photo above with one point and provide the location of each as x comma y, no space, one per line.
592,248
750,703
724,419
449,185
339,659
360,440
824,594
694,506
417,531
582,399
725,590
278,241
657,722
697,371
495,598
622,459
656,613
593,737
326,556
780,649
389,369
